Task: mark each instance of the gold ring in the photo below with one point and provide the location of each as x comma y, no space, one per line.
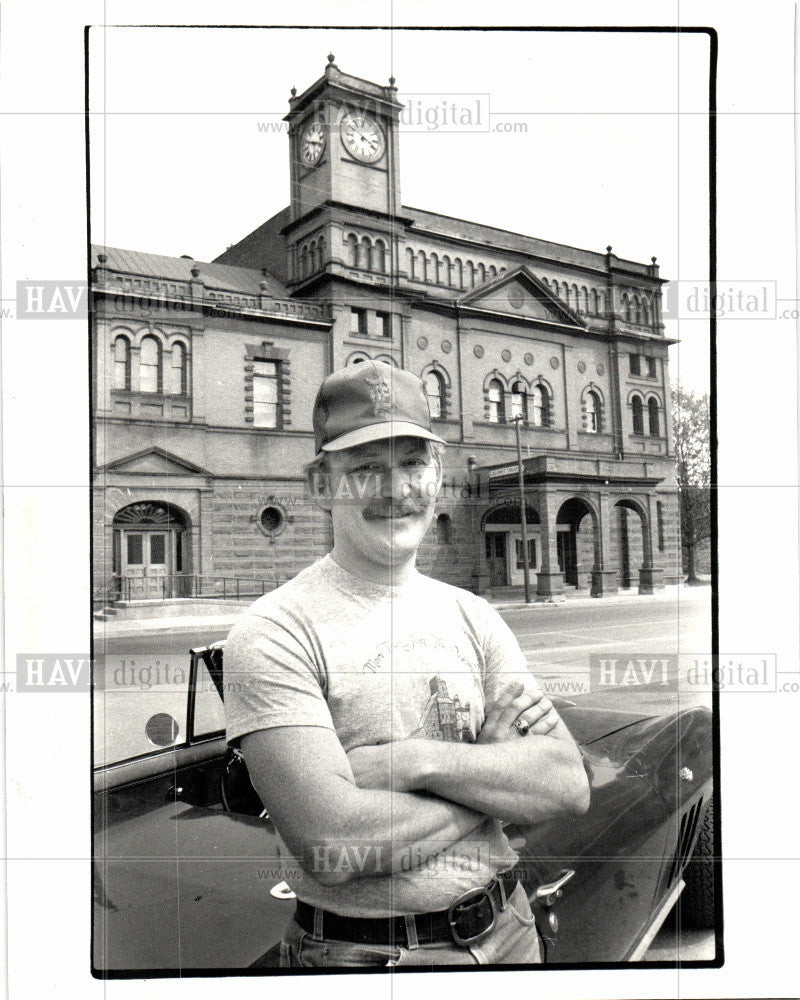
521,727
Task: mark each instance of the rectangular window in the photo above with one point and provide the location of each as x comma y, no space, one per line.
385,324
636,364
158,550
266,394
651,367
531,553
660,521
134,550
358,322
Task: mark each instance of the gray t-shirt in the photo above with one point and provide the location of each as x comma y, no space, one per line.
375,664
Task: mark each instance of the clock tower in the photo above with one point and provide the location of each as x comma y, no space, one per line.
344,170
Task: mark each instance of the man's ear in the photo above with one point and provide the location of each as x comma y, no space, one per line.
319,485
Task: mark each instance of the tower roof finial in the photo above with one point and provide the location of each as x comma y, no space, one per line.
331,58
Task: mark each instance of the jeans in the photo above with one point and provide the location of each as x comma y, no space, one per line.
513,940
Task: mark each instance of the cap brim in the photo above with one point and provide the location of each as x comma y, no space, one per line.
379,432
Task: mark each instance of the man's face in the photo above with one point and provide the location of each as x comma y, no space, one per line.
382,497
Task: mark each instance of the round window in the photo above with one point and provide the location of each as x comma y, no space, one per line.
272,520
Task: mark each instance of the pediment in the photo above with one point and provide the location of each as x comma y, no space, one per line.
155,461
520,293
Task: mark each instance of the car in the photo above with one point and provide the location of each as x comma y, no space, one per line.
187,875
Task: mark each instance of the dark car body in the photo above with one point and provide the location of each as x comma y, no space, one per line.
184,865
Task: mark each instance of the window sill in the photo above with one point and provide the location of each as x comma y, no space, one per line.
157,397
524,426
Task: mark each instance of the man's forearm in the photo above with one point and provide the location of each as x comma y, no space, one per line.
522,780
378,832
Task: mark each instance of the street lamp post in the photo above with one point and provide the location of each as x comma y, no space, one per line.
523,515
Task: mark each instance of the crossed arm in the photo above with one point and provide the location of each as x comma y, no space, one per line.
378,802
524,779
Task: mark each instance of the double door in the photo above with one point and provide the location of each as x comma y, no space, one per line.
147,561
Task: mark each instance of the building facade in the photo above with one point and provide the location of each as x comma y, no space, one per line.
205,375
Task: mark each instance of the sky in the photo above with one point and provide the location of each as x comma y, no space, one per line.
605,141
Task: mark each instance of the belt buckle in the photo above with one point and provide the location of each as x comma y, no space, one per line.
466,897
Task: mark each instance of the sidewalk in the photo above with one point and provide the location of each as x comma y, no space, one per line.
505,602
672,593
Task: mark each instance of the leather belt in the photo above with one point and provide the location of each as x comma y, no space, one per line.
470,917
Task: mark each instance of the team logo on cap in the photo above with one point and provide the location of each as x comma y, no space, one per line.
382,396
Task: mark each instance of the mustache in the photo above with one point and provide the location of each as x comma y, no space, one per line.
387,508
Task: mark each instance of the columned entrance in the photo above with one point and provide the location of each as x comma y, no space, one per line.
577,541
151,551
649,577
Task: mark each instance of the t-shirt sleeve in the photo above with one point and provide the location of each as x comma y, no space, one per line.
504,661
270,680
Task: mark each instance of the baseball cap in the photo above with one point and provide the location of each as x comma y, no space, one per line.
370,401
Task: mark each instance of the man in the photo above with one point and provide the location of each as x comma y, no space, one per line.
388,721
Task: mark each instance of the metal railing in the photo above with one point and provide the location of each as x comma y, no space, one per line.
132,588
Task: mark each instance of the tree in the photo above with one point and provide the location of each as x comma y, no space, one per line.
690,416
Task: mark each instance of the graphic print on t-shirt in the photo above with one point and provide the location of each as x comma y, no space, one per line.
444,718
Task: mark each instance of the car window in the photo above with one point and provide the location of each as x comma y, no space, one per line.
140,705
209,713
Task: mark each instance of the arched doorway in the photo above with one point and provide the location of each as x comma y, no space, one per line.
634,547
502,530
151,554
577,541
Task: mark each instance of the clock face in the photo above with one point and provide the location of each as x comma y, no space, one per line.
312,144
363,137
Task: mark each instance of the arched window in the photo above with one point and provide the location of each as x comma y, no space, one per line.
352,243
380,257
304,261
497,406
601,303
435,269
519,401
583,301
593,302
366,254
592,412
470,274
434,390
150,365
636,313
459,273
492,272
481,274
575,303
122,363
626,303
411,261
444,528
638,420
320,254
447,271
423,266
645,315
652,417
540,406
565,292
177,370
